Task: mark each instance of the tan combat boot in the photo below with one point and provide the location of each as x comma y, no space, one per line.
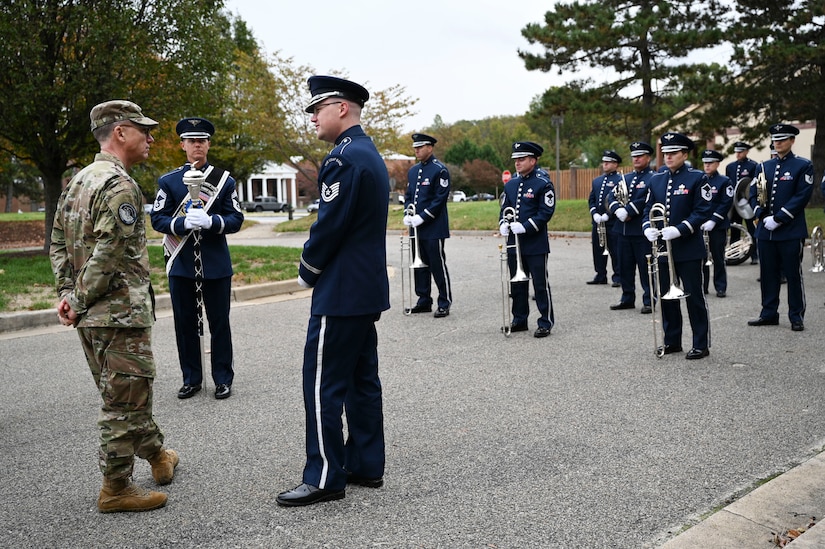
120,494
163,465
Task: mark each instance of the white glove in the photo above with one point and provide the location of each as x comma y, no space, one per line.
621,214
670,233
188,224
604,218
303,283
597,218
416,220
198,218
708,225
652,234
407,220
517,228
771,223
504,229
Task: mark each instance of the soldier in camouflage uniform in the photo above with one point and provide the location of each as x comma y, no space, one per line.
101,268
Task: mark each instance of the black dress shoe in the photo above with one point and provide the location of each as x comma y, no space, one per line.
764,321
646,310
364,481
597,281
721,294
441,312
306,494
223,391
622,305
669,349
541,332
616,284
695,354
518,327
420,309
188,391
797,326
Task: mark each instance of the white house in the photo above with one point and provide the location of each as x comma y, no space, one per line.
278,180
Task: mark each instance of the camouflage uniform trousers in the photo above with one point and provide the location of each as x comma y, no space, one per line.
123,368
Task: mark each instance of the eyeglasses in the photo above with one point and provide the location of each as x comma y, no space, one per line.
318,108
145,130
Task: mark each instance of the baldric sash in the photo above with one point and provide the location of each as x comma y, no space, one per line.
210,190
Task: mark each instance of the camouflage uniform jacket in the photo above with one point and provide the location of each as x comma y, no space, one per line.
98,247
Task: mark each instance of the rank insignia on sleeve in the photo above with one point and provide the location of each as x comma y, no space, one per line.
707,193
330,192
127,214
550,198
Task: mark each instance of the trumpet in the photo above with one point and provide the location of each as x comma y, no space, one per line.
601,230
410,260
706,238
816,250
658,214
509,215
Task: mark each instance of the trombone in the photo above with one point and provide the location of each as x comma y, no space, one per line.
658,214
509,215
410,260
816,250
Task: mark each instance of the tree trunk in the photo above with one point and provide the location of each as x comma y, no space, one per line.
52,188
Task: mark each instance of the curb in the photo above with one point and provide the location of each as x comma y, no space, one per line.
788,501
26,320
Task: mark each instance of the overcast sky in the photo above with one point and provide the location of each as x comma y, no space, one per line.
458,57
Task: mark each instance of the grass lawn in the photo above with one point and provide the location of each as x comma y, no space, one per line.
26,281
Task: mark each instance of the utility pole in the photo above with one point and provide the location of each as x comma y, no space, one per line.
557,120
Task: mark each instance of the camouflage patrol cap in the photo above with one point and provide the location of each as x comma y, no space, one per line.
118,111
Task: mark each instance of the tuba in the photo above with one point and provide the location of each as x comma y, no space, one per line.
741,199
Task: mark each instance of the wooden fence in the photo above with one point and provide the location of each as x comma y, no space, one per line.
574,182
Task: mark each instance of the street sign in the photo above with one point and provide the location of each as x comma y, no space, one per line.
505,176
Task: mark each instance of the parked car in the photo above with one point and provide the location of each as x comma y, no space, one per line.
265,204
459,196
313,206
482,196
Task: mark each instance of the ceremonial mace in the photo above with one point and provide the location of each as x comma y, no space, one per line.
194,180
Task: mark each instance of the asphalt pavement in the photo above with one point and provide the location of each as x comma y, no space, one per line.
581,439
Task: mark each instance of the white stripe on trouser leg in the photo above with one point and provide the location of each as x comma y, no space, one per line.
319,362
449,290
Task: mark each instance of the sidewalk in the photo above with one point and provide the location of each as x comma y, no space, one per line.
790,501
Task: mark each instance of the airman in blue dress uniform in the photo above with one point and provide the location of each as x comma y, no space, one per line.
428,190
532,195
632,246
742,168
345,261
782,228
174,215
599,212
717,226
686,196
